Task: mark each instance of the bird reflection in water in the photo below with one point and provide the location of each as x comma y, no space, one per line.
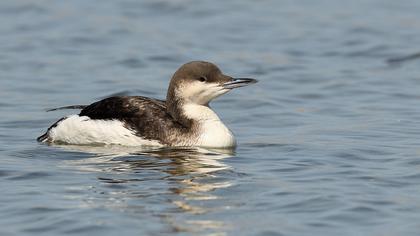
187,177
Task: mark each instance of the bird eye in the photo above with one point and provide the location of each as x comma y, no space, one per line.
202,79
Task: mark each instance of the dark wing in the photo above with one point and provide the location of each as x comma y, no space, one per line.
146,116
123,107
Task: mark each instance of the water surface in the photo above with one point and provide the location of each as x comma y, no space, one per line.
328,139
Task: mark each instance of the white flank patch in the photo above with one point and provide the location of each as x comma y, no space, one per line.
213,133
83,130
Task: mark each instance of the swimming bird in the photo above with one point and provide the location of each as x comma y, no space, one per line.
184,119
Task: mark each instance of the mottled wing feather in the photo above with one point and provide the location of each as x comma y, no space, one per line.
122,107
146,116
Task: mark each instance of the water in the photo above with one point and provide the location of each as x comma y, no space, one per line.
328,140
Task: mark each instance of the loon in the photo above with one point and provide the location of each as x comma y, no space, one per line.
184,119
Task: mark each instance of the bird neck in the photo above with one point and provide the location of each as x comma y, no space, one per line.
199,113
188,113
174,105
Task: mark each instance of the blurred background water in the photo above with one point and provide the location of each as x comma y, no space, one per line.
328,140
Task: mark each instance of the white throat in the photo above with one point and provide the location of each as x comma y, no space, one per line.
199,113
212,131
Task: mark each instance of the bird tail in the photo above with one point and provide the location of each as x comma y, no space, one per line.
43,138
67,107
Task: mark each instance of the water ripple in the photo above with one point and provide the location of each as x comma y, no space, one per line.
327,140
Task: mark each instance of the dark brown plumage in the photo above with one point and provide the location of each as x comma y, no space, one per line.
146,116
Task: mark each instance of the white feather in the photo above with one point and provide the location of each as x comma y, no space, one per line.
83,130
213,133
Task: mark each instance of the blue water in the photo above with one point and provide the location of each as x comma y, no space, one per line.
329,139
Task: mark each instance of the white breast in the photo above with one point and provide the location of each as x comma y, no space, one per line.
83,130
215,134
212,131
